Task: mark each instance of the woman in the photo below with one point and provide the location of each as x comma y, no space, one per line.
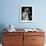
25,14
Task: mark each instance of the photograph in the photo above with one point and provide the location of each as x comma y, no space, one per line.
26,13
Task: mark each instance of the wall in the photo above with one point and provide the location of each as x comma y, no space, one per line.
9,13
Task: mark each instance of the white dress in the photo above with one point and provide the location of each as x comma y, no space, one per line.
25,16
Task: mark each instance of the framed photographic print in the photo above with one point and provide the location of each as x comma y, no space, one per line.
26,13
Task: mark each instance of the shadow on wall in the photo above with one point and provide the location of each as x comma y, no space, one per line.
2,26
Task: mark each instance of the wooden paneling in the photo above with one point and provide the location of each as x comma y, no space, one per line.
23,39
27,41
34,39
13,39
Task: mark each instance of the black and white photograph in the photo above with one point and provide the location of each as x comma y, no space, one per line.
26,13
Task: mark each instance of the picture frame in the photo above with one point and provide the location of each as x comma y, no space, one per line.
26,13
